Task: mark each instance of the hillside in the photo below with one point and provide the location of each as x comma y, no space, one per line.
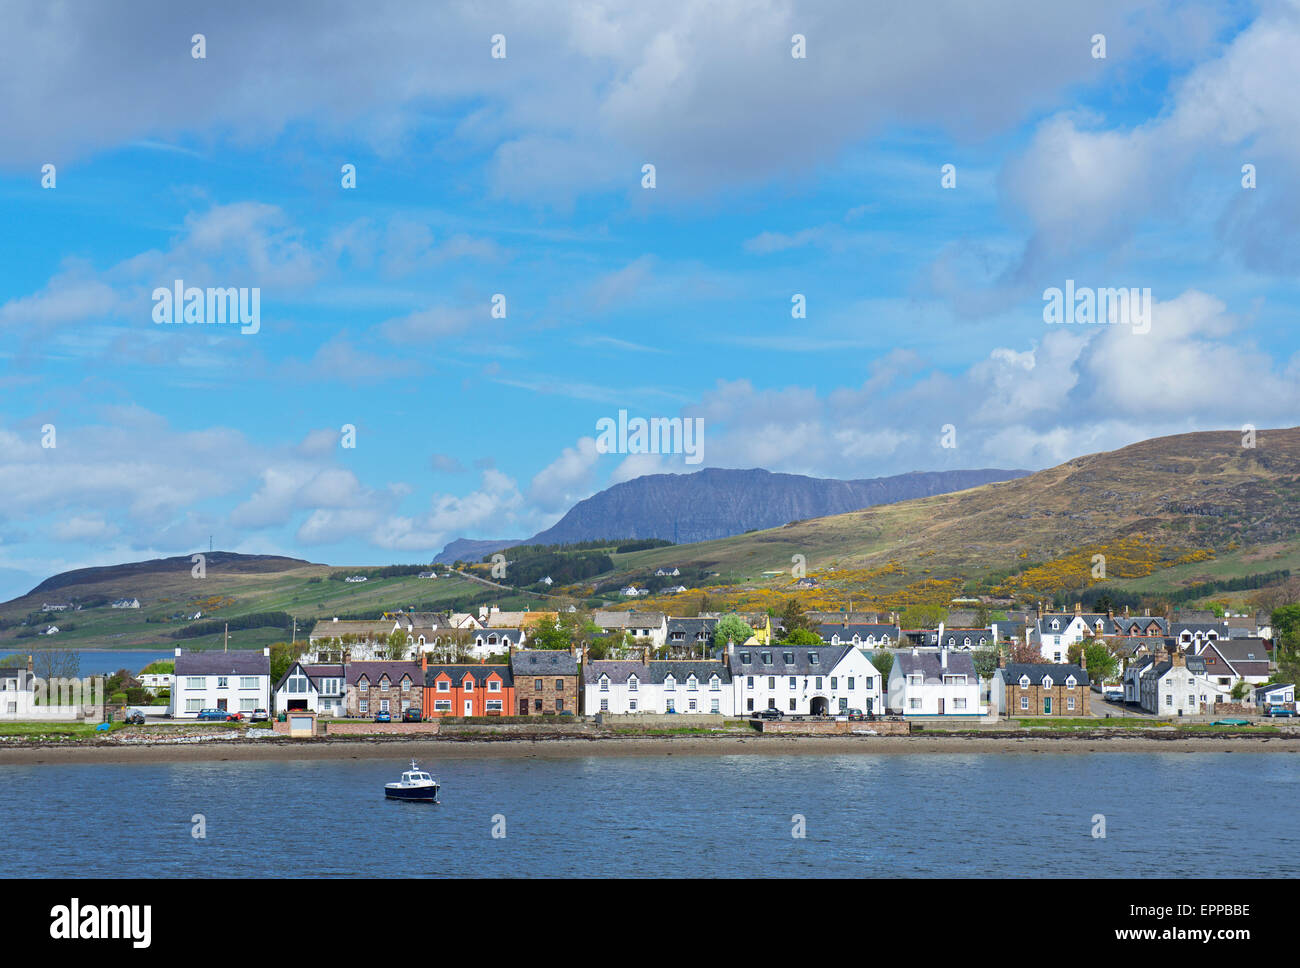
1192,506
718,503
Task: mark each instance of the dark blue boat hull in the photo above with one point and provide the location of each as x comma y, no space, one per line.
413,794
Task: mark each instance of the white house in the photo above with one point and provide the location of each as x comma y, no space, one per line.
803,680
237,681
1278,694
1177,686
126,603
652,626
315,688
17,692
155,681
863,635
938,683
620,688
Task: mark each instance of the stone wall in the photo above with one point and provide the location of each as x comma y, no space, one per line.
365,728
835,727
528,696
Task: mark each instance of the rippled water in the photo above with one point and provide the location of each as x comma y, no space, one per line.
951,815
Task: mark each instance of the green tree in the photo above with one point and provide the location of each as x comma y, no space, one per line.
283,655
1286,627
1239,690
731,628
397,644
802,637
550,634
1103,665
922,616
884,662
986,662
793,618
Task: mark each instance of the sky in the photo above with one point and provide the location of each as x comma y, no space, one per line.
382,408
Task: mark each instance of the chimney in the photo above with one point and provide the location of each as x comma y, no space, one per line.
1083,658
178,652
266,651
1177,658
1126,615
1039,613
1110,612
915,651
1002,658
31,668
424,662
347,656
943,657
1078,608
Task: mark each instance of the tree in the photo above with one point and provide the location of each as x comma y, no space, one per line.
982,616
550,634
801,637
283,655
397,644
793,618
922,616
50,664
884,662
986,662
1286,627
1239,690
1022,653
731,628
1103,665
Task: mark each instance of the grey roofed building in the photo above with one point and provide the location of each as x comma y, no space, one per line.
242,662
618,670
313,672
630,619
930,664
748,660
374,671
681,671
543,662
690,629
1128,645
846,631
1059,672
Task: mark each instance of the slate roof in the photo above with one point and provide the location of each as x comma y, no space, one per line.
481,672
691,627
543,662
629,619
315,673
1036,670
861,629
1267,688
618,670
681,671
1178,628
373,671
513,637
930,665
799,664
244,662
1125,624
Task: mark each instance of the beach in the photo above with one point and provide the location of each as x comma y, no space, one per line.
568,747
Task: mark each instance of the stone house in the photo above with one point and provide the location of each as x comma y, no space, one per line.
546,681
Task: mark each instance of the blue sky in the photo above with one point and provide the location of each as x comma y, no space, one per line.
522,176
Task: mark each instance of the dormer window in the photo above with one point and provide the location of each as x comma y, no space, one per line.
670,684
1047,682
767,658
692,684
1055,625
631,683
383,681
1024,682
1071,682
787,657
813,658
714,684
744,657
966,642
604,683
363,684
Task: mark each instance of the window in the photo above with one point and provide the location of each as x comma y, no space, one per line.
959,703
406,684
363,684
191,705
914,704
537,704
494,685
631,705
384,682
692,684
604,684
788,657
469,683
792,705
749,682
834,683
1071,682
713,706
383,705
1069,702
559,685
1055,625
444,685
1024,702
771,682
494,705
670,684
851,687
1024,682
1047,682
537,684
767,658
715,684
744,657
671,705
915,680
749,705
954,680
604,705
632,684
793,682
364,706
690,706
444,705
1169,699
813,658
196,682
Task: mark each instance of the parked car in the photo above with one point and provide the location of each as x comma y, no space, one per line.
383,718
134,718
1231,722
769,714
260,716
234,717
1281,711
857,715
212,715
410,716
1112,695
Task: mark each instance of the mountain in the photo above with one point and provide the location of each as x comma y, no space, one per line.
469,549
1161,514
717,503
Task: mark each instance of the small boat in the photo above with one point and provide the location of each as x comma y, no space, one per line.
415,785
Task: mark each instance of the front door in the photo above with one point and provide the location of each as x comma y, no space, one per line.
523,707
1047,705
221,704
940,707
469,707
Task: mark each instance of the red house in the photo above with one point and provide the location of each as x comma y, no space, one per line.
467,690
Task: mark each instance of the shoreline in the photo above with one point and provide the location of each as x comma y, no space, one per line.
569,747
